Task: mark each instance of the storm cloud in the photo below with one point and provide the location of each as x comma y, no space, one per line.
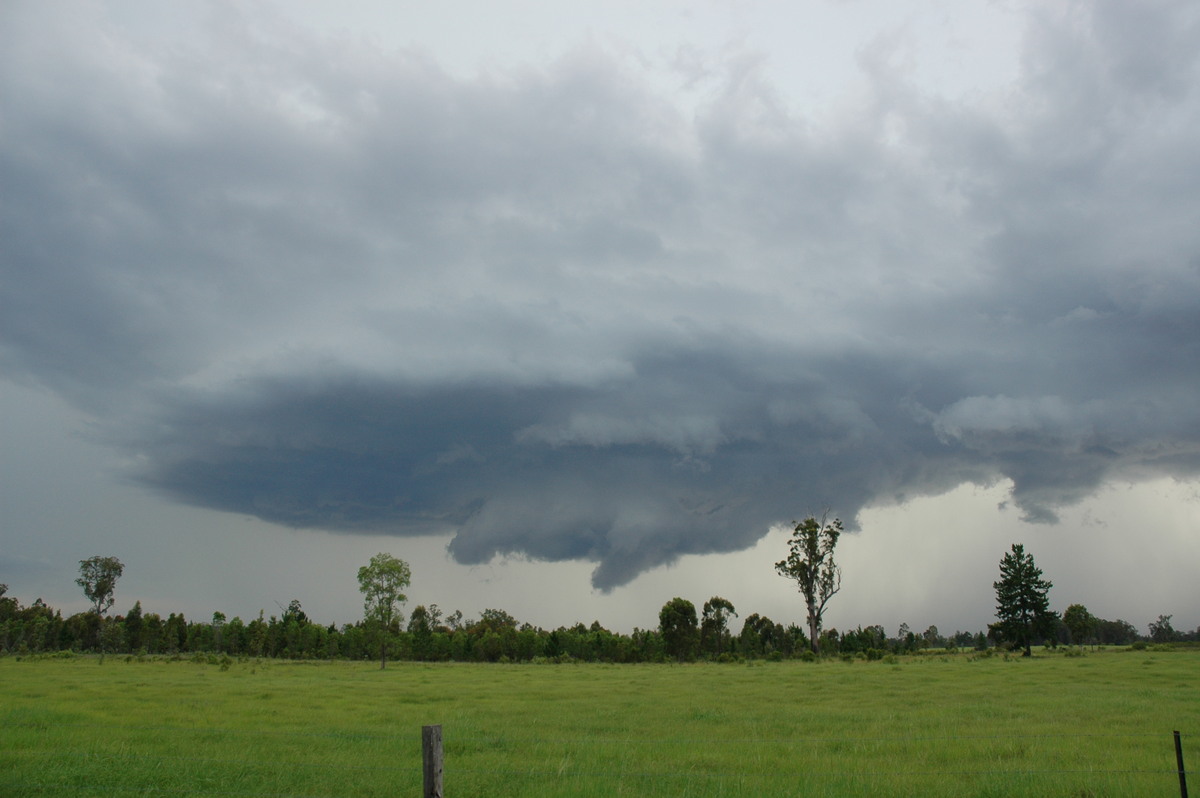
558,313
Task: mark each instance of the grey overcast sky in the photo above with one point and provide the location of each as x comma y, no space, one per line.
572,305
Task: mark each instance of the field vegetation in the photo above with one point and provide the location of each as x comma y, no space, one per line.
1066,723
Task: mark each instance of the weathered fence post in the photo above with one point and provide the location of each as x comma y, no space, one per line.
431,749
1179,762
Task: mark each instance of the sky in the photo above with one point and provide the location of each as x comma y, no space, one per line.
575,307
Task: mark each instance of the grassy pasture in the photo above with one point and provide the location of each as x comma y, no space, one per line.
1095,725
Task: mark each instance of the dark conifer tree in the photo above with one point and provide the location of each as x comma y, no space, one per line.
1022,601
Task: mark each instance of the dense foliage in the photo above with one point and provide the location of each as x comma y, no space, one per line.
430,636
1022,601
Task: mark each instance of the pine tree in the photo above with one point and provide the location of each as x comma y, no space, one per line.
1022,602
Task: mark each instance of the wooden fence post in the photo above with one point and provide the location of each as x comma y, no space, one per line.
431,749
1179,762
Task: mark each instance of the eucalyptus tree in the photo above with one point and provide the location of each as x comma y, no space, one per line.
98,577
810,565
680,633
1161,631
381,582
715,618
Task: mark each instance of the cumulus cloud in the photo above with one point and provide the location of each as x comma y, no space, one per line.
550,312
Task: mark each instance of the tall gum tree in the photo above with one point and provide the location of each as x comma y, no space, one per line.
381,582
810,565
98,577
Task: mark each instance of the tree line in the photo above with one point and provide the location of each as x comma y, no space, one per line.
431,635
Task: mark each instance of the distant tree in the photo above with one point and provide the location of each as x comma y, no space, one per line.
871,640
1080,623
932,638
713,624
218,628
234,636
1115,633
418,621
112,635
677,623
1161,630
1022,603
294,612
906,639
133,626
174,633
810,564
8,604
381,582
831,641
495,621
760,636
256,633
494,635
98,577
420,626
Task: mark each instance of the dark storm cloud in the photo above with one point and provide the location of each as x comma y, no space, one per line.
548,312
694,451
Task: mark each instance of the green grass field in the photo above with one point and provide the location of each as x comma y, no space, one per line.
957,725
